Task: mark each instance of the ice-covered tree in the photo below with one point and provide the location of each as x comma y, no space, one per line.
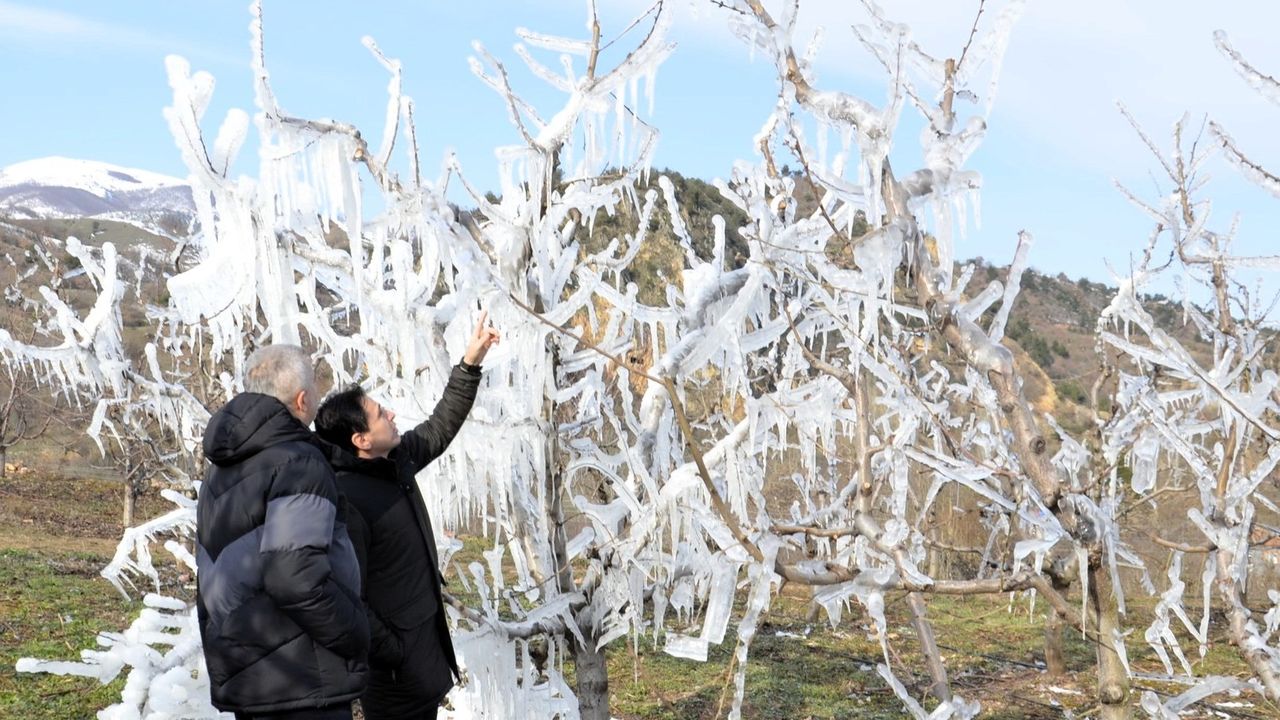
613,509
291,256
860,307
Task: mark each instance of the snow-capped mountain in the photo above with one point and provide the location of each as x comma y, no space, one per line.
57,187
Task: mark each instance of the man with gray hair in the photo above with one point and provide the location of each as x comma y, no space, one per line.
278,587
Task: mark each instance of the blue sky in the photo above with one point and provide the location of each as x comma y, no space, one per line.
87,80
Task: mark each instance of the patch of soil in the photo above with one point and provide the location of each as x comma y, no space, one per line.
52,513
12,538
1017,692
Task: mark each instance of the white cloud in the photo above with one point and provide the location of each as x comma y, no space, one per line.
43,25
1067,65
59,29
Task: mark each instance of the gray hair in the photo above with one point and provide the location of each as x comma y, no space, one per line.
280,371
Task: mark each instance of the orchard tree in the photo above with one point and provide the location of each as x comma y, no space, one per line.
25,414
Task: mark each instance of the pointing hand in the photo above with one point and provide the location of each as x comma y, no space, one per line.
482,339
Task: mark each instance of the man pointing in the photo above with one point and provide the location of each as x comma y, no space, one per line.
411,659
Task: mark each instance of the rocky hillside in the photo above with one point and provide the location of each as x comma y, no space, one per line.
1053,331
1052,327
33,252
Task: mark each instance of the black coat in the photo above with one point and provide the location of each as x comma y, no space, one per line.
412,657
278,587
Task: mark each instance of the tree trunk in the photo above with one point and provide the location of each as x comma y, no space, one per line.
1113,681
1055,659
4,459
592,687
130,503
940,687
592,675
1239,618
593,679
935,553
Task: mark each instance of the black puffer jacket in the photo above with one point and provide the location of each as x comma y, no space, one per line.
278,587
412,656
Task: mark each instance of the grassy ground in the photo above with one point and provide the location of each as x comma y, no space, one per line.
55,535
54,605
994,654
799,667
57,532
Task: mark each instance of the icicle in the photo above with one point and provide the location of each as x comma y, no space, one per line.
1016,269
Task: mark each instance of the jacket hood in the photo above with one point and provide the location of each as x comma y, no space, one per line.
247,425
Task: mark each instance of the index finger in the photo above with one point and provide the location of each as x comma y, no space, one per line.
484,316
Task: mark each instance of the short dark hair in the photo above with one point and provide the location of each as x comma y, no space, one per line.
340,416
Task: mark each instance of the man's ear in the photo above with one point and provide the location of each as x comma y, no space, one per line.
360,441
300,402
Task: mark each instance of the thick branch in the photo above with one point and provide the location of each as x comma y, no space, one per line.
1244,634
523,630
718,502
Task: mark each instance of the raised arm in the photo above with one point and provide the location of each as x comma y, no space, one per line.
428,441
